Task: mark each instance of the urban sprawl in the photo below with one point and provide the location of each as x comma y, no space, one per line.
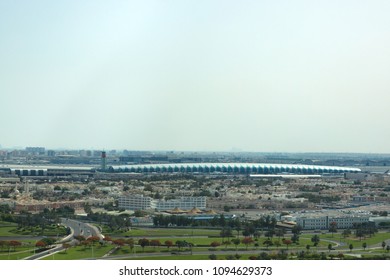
258,205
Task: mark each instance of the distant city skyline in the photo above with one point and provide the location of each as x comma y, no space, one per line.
255,76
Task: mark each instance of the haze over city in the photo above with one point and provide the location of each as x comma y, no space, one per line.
266,76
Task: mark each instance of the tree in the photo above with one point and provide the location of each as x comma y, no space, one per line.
329,247
236,242
268,243
237,226
226,243
308,247
247,241
383,245
212,257
287,242
154,243
143,243
346,233
364,245
181,244
360,233
40,244
315,239
168,243
280,232
215,244
296,229
93,239
85,243
225,232
119,242
131,243
14,244
49,241
350,247
333,227
295,238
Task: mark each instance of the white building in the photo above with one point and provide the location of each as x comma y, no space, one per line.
136,202
184,203
323,221
140,202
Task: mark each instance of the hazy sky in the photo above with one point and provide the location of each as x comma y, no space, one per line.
267,76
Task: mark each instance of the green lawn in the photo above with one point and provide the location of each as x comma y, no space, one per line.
16,255
355,241
81,252
148,232
20,252
49,230
6,228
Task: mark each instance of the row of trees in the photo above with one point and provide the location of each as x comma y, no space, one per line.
8,245
250,227
120,222
41,219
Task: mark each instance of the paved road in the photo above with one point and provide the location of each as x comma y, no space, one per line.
43,254
81,228
77,228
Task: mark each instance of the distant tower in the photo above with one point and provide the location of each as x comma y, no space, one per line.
103,162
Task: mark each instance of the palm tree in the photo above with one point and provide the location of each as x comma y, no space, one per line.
236,242
315,239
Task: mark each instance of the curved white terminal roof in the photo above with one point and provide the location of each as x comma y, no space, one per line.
238,168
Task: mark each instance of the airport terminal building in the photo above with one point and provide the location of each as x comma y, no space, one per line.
234,168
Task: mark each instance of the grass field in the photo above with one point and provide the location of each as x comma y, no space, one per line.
7,228
81,252
49,230
11,229
19,252
202,240
137,232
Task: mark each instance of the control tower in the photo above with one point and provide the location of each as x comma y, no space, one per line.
103,163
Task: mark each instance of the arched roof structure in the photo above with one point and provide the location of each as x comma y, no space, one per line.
233,168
